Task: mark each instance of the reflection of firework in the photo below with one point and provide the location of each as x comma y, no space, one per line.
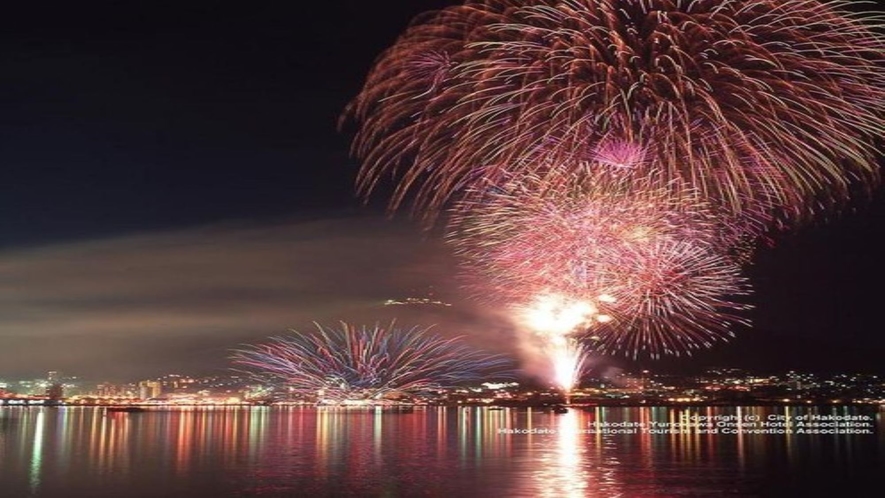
759,105
365,363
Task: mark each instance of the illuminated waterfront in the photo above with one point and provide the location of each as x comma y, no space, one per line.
298,451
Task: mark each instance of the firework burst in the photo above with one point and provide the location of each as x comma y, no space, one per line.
771,108
671,297
668,297
625,154
366,363
517,238
651,269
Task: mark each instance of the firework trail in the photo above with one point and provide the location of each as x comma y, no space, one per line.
363,363
766,108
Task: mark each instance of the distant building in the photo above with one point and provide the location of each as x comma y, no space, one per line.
176,383
148,389
55,391
108,389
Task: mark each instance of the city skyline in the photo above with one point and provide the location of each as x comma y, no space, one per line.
722,386
177,186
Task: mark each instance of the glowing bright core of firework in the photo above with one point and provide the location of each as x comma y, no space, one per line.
557,315
552,318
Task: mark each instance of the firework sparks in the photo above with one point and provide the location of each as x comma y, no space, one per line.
569,358
363,363
624,155
552,319
556,315
645,272
565,240
672,297
772,108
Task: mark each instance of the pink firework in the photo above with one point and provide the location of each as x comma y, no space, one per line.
619,154
667,297
551,320
516,239
769,109
366,363
651,269
626,154
671,297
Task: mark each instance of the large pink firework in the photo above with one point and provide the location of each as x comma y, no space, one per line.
769,109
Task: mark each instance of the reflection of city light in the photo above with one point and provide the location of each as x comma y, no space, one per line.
37,453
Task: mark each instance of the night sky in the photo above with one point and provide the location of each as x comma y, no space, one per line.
174,185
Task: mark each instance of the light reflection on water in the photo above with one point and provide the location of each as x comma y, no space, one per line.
464,452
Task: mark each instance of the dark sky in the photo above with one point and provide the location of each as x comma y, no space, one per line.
174,184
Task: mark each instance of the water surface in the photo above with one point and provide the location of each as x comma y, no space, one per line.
460,452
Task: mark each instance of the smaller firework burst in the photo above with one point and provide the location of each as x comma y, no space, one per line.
569,359
518,237
671,297
367,363
655,271
619,154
